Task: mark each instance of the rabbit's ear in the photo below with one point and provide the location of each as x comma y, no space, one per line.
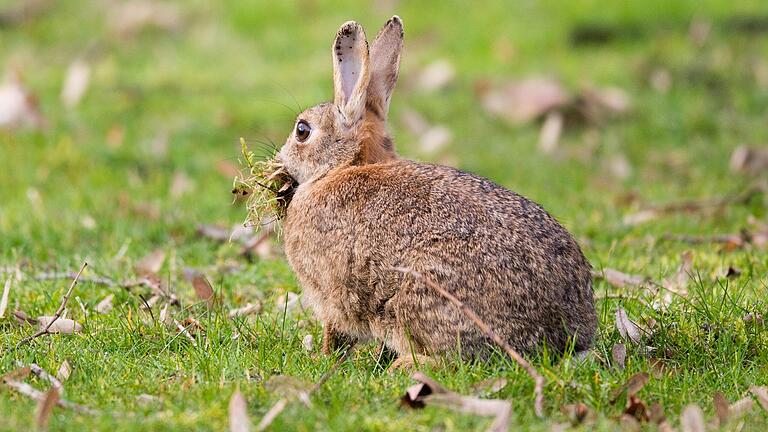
350,72
385,63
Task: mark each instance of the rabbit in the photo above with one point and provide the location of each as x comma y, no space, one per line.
359,211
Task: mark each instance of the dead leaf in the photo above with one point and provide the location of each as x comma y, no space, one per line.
61,325
75,83
692,419
22,318
656,415
45,408
549,137
629,423
431,138
105,305
619,355
436,76
578,413
640,217
181,184
18,107
740,408
132,17
749,160
4,299
287,386
151,263
238,413
214,232
248,309
721,407
618,279
518,102
65,370
633,385
618,166
308,343
429,392
761,393
200,283
289,302
627,328
678,283
600,104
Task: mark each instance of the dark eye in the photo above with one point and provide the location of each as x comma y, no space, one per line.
302,130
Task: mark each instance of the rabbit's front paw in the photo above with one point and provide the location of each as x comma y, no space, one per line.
411,362
333,340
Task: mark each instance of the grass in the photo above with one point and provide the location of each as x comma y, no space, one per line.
95,186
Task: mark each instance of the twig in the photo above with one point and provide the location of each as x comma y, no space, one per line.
12,381
68,275
42,373
469,313
183,330
59,311
280,405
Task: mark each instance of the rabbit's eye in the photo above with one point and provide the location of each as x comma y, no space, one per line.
302,130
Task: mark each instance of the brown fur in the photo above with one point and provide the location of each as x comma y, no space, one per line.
359,211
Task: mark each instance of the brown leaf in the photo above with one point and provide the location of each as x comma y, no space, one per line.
740,408
200,283
151,263
75,83
214,232
45,408
721,407
749,160
435,76
619,355
105,305
22,318
629,423
308,343
238,413
656,415
618,279
61,325
578,413
18,107
287,386
633,385
692,419
600,104
761,393
65,370
18,374
132,17
551,129
519,102
248,309
628,330
431,138
430,392
678,283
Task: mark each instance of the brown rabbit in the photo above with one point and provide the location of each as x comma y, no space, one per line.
359,211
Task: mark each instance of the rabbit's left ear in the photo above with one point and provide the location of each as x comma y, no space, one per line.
385,64
350,72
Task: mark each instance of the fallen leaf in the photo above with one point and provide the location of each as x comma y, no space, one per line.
287,386
105,305
678,283
238,413
619,355
289,302
429,392
45,408
618,279
518,102
18,107
248,309
761,393
132,17
181,184
214,232
4,299
61,325
692,419
435,76
22,318
640,217
656,415
600,104
629,423
75,83
551,129
65,370
151,263
740,408
628,330
749,160
578,413
431,138
307,343
200,283
721,407
618,166
633,385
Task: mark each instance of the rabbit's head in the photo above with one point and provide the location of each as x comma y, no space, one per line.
351,130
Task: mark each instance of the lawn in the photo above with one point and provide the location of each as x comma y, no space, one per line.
148,155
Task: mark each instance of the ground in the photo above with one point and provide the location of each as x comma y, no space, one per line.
147,156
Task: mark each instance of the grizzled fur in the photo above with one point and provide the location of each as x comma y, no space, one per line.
360,211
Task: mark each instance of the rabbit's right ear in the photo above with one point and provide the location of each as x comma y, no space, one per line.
385,64
350,73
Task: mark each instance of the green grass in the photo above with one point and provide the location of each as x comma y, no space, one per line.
237,69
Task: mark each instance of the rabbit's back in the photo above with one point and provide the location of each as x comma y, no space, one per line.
498,252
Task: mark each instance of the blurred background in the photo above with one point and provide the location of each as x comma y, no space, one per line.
120,120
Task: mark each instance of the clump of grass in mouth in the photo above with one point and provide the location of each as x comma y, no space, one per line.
267,186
